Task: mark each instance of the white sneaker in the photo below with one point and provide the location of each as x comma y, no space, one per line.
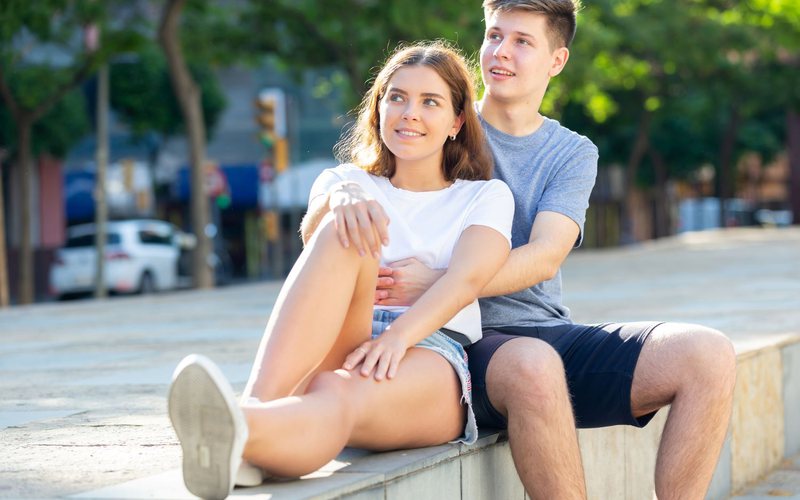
210,426
249,475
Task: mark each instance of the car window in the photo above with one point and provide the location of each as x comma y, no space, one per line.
155,235
88,240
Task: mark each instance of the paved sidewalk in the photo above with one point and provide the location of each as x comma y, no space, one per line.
83,384
782,483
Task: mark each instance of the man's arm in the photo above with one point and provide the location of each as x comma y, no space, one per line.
552,237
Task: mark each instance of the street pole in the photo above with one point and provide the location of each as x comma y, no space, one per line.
4,299
101,207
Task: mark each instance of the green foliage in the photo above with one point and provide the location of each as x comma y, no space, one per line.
61,127
142,95
43,60
687,62
355,35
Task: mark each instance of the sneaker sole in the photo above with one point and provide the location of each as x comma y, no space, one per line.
206,418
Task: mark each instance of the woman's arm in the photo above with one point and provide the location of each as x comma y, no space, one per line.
479,253
358,217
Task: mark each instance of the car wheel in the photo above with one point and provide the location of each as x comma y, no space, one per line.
147,284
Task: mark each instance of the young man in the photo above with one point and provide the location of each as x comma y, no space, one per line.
535,372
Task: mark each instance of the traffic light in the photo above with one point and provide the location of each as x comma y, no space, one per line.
265,117
271,115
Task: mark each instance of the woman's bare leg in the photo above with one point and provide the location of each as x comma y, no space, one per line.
323,312
297,435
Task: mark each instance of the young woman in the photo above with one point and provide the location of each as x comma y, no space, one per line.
333,370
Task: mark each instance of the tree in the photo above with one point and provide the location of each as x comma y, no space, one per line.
660,102
143,99
46,27
188,94
354,35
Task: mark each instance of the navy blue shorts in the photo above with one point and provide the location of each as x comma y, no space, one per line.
599,361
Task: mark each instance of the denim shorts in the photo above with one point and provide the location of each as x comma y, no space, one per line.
450,350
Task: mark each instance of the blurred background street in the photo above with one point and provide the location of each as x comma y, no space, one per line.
216,117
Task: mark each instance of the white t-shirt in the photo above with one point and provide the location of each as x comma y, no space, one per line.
426,225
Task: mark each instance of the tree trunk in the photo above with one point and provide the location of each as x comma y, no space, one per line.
26,271
188,95
24,119
100,202
662,223
640,147
724,174
4,300
793,146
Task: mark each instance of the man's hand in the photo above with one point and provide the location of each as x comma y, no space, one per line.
358,218
382,355
403,282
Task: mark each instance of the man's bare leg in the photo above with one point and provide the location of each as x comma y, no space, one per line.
526,383
694,369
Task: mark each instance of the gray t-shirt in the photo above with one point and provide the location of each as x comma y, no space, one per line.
552,170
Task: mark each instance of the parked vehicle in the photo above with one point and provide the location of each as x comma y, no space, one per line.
141,256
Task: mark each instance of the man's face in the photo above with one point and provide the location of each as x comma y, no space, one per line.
516,58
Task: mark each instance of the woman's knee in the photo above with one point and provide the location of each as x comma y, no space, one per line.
338,386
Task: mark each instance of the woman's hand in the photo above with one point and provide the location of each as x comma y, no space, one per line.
358,218
383,355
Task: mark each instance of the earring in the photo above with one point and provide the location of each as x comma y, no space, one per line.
453,137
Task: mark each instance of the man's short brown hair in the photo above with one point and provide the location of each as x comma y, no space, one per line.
560,14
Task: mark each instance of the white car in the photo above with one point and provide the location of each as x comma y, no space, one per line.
140,256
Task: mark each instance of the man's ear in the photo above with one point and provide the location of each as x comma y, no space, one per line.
559,59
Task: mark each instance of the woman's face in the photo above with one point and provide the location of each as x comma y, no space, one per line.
417,115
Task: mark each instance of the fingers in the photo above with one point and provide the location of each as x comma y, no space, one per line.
384,282
371,359
381,221
384,272
341,228
393,365
351,220
383,365
380,296
376,359
389,301
364,225
354,358
368,234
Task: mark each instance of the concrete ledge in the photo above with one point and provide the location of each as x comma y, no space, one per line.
619,461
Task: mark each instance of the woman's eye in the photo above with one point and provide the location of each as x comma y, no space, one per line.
395,98
431,102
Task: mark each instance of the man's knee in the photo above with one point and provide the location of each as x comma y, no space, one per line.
697,355
714,358
525,372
